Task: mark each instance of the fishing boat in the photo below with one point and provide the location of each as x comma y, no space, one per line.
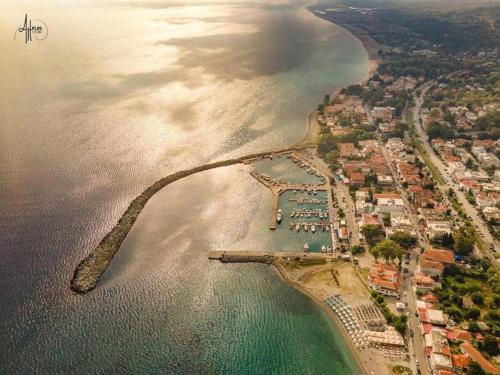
306,248
323,249
279,216
313,228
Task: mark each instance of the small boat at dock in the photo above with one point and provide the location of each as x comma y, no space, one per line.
297,227
323,249
306,248
313,228
279,216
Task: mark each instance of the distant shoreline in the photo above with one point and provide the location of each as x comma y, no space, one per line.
371,45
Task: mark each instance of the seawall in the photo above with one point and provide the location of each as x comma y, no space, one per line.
90,269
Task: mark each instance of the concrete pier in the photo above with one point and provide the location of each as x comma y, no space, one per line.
265,256
278,188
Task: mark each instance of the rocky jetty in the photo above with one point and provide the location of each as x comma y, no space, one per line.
90,269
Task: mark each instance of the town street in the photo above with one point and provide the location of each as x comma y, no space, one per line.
470,210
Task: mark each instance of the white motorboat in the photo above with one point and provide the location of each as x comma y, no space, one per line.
306,248
313,228
306,227
279,216
323,249
297,227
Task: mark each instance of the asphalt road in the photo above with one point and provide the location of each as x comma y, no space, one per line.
469,209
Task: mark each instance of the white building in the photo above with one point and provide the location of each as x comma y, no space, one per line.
388,203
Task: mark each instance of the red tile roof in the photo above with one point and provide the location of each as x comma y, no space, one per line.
460,360
430,298
425,263
460,334
385,275
476,356
369,219
439,255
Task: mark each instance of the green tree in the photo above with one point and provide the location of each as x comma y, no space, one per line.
389,250
478,298
464,240
372,233
490,344
403,239
399,323
475,369
473,313
357,249
439,130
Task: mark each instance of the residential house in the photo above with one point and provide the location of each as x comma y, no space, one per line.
385,279
476,356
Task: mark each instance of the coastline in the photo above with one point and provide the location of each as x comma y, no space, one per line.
338,324
90,269
371,45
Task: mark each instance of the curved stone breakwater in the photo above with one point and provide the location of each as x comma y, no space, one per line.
90,269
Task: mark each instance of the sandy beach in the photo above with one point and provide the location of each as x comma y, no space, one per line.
313,281
370,44
370,362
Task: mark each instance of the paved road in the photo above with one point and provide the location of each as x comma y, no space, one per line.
416,344
469,209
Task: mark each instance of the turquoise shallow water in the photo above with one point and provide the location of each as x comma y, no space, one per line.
118,96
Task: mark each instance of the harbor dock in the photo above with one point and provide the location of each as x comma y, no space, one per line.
277,188
264,256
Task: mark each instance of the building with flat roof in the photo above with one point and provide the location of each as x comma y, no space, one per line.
389,202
